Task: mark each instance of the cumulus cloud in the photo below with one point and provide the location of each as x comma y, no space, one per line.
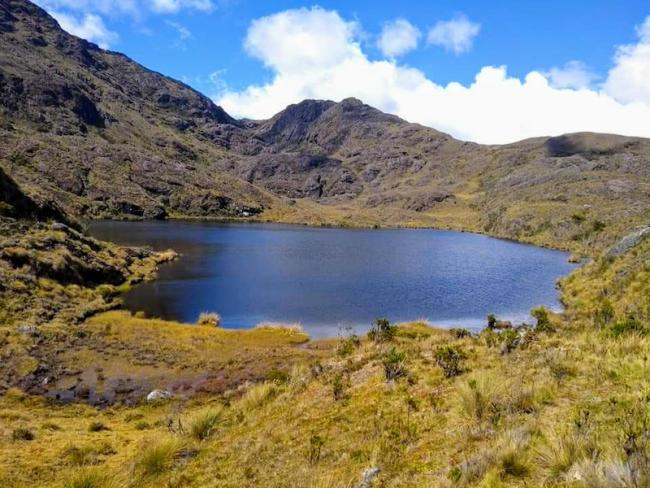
398,37
89,26
295,41
314,53
574,74
629,79
455,35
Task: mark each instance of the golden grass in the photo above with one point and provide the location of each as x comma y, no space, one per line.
566,408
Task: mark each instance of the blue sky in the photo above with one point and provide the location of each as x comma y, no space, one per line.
223,49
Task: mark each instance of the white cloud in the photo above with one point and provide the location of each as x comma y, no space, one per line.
398,37
89,27
131,7
183,32
574,74
314,53
629,79
302,39
455,35
173,6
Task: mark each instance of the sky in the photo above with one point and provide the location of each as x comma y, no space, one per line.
490,72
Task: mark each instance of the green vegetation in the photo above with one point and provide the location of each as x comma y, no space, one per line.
204,424
450,359
22,434
381,331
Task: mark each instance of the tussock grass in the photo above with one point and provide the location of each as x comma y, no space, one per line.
90,478
258,395
158,456
203,424
210,319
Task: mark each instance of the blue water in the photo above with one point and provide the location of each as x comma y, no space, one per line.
330,278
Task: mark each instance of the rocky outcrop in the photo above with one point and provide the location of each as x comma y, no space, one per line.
629,241
15,203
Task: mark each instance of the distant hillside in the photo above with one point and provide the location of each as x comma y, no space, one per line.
103,136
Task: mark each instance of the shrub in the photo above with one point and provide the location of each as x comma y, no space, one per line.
543,321
382,330
491,320
316,444
142,425
22,434
393,362
457,333
348,343
97,427
598,225
278,376
209,319
450,359
605,314
491,337
627,326
338,386
510,339
204,425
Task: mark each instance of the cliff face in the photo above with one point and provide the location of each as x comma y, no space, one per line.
103,136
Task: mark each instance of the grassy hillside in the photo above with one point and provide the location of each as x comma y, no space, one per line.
563,402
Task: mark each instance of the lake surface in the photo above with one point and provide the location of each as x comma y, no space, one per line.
330,278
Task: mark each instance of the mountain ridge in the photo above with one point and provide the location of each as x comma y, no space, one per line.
105,137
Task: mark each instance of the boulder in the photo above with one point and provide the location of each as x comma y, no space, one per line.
159,395
629,241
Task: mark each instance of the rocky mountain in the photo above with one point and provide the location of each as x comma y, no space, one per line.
103,136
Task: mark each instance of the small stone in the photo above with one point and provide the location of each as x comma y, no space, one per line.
58,226
27,329
367,477
159,395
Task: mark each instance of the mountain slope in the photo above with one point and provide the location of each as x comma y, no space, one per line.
103,136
